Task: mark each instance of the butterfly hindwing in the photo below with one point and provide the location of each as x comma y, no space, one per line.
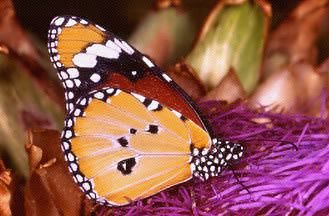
120,149
88,57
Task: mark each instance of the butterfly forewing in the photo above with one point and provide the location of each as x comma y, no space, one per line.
88,57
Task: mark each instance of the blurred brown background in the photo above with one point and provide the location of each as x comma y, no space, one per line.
120,17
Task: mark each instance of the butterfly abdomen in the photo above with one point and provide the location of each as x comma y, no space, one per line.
208,163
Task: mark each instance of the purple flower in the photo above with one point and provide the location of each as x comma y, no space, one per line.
285,170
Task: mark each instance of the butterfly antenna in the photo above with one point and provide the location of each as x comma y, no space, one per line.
238,180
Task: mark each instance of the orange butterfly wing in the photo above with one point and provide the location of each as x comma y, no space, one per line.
125,150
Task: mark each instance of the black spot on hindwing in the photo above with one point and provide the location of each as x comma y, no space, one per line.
132,131
125,166
147,102
153,129
123,142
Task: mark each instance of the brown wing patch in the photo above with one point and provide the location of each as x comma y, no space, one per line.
156,90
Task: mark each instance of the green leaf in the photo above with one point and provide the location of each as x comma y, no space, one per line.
233,37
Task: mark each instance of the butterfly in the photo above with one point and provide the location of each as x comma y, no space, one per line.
130,131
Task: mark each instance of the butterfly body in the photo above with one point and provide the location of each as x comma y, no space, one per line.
130,131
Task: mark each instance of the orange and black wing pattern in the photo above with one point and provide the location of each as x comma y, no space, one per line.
122,146
88,57
130,131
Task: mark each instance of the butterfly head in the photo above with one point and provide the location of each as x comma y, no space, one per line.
207,163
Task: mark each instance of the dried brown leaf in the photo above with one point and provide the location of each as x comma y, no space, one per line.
294,40
11,199
187,79
291,90
324,67
5,194
163,4
17,44
229,89
51,189
278,93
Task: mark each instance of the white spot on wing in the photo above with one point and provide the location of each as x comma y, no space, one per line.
86,186
104,51
59,21
71,22
117,92
83,102
63,75
84,60
129,49
123,45
139,97
68,134
95,77
74,167
78,176
99,95
100,28
69,123
77,82
177,113
70,95
153,105
148,62
69,83
73,72
77,112
166,77
65,145
70,106
112,45
110,90
82,21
